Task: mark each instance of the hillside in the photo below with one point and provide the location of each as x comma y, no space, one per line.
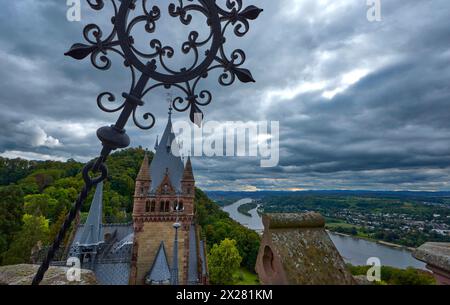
36,195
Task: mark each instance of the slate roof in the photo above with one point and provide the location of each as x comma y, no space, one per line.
193,257
112,263
160,271
116,231
92,233
167,156
112,273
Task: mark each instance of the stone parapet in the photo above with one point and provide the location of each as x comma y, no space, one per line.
296,250
293,220
23,275
437,258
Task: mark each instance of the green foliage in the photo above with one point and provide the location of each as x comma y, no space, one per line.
246,207
217,225
11,211
245,277
350,230
395,276
40,205
49,188
54,228
339,207
35,229
12,170
223,261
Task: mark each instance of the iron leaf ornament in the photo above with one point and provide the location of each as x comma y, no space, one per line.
151,70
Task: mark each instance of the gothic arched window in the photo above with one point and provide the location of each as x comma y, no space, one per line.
167,207
180,206
147,206
153,206
161,206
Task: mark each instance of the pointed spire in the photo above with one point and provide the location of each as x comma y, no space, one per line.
144,172
156,144
169,143
171,136
166,156
169,101
159,272
93,229
188,175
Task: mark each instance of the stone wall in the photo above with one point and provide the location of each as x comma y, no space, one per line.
149,240
23,274
437,257
296,250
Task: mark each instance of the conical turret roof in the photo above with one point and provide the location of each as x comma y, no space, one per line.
144,172
167,160
188,175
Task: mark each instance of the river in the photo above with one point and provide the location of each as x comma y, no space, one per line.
354,250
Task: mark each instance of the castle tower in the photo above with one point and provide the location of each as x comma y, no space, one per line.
142,186
164,195
188,181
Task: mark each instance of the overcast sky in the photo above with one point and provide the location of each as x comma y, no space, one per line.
361,105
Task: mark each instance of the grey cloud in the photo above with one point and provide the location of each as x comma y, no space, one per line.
387,130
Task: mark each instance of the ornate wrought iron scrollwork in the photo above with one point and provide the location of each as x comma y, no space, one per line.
122,42
153,66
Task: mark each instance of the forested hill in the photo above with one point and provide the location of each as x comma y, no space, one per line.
36,195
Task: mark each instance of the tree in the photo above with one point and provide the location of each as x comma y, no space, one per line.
12,170
11,211
54,228
396,276
34,229
40,204
64,198
223,261
217,225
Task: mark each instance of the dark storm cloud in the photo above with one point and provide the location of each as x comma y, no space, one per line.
361,105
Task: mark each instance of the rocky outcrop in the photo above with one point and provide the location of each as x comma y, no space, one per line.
296,250
23,275
437,258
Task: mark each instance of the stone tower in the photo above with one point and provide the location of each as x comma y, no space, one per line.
164,216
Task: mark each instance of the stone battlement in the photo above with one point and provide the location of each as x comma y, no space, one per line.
293,220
